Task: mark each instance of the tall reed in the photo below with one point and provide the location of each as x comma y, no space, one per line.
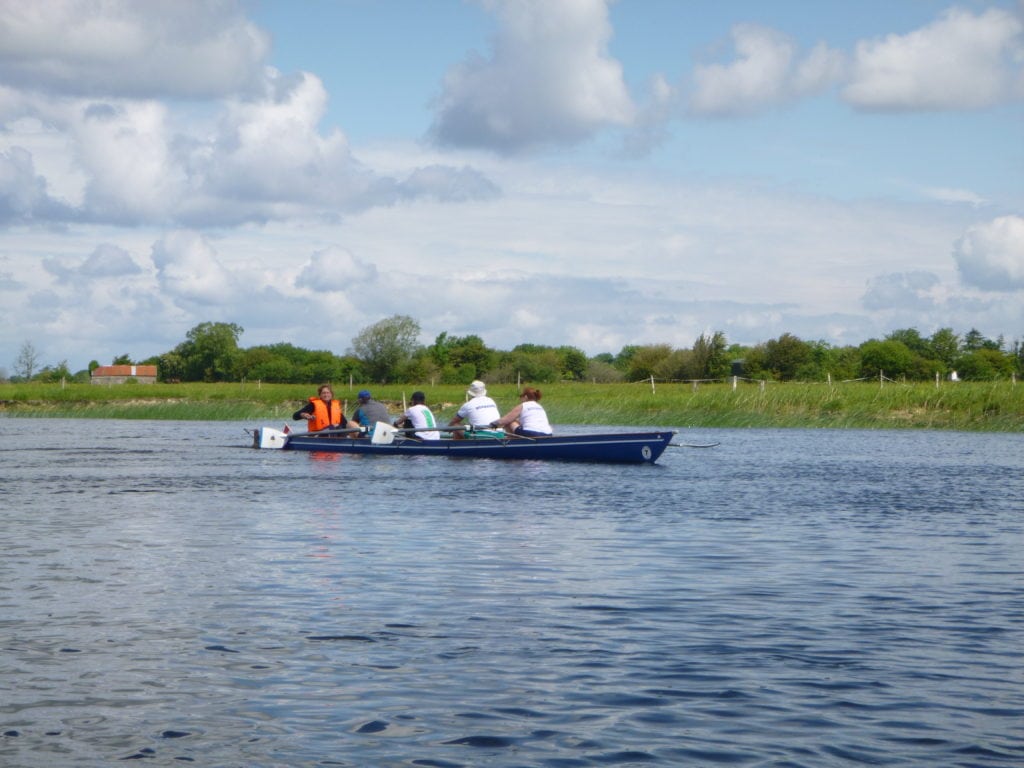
989,406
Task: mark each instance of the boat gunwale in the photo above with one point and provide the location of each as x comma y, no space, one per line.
511,447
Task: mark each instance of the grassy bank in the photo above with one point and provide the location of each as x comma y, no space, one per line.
977,406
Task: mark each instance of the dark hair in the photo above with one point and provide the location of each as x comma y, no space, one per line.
322,387
418,397
530,393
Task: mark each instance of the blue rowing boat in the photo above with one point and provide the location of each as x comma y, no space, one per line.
615,447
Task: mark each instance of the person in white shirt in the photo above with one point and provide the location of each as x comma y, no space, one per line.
479,411
528,419
417,416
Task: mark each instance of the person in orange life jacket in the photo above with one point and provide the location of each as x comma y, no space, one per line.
322,411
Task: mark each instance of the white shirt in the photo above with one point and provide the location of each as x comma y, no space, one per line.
479,412
533,417
422,419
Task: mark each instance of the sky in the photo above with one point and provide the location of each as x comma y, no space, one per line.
563,172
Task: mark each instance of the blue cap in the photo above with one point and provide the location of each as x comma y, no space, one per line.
364,394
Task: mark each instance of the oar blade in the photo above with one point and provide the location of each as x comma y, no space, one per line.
383,434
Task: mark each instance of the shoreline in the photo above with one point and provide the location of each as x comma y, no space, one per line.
964,406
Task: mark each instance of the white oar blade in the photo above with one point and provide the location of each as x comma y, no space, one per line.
267,437
383,434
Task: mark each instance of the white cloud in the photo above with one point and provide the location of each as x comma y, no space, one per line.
766,73
123,149
991,255
188,270
961,61
446,183
132,162
650,125
901,291
949,195
335,269
549,80
123,48
268,154
106,261
25,196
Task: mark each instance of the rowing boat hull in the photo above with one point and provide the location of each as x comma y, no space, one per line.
619,448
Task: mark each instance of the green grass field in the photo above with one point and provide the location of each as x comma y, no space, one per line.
977,406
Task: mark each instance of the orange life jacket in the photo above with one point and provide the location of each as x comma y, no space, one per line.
321,418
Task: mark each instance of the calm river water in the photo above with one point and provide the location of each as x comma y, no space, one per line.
788,598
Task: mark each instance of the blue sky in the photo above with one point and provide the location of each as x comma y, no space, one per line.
564,172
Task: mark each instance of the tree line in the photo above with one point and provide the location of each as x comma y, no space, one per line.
389,351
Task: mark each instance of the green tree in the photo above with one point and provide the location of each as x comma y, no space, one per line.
844,363
573,363
601,371
785,355
984,365
210,352
440,350
891,358
945,346
53,374
386,346
122,360
625,357
912,340
710,359
470,356
975,340
529,362
679,364
171,367
644,361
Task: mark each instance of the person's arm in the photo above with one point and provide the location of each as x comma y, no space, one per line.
305,412
509,417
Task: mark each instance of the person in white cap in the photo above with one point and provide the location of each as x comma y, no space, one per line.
479,411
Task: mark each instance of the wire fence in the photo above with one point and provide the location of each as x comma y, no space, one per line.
881,379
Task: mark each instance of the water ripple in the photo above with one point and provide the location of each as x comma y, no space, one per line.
791,598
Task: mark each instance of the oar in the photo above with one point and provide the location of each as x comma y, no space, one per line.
324,432
431,429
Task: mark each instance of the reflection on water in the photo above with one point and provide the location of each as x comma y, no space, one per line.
798,598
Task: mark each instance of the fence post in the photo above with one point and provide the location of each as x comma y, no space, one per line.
652,384
734,379
694,385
